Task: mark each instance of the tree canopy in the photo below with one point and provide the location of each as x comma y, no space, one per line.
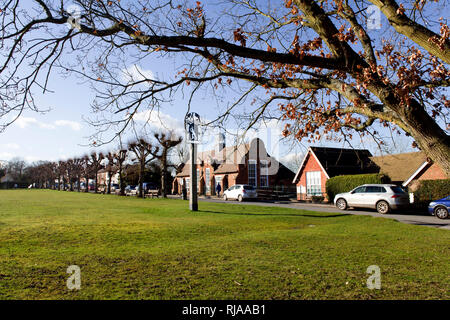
322,66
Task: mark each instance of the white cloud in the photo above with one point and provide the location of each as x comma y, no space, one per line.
6,155
292,157
30,159
135,73
160,121
13,146
67,123
24,122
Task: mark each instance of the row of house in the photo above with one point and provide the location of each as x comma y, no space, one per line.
321,164
251,164
243,164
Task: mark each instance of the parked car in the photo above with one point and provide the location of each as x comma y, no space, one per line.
440,208
130,190
240,192
146,186
114,187
383,197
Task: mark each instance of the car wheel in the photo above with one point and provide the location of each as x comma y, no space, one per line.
240,198
441,212
383,207
341,204
225,197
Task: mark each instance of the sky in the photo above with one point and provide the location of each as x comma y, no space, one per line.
62,132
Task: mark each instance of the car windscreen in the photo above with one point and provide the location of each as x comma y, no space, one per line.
249,188
397,190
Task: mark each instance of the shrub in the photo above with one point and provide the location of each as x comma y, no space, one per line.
317,199
346,183
432,190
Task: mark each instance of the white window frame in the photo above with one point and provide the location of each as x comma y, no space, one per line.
208,180
218,179
188,184
255,177
264,173
198,180
314,183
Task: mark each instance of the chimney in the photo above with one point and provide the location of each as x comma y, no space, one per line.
220,147
221,141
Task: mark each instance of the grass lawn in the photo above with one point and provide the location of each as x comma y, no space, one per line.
130,248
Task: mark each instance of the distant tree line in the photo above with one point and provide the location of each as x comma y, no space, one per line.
141,160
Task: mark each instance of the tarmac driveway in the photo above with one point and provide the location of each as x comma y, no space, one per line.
401,216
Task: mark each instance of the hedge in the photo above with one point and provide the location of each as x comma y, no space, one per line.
429,190
346,183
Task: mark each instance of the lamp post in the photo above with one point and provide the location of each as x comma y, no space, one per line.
191,122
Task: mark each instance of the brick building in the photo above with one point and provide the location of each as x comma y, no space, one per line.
320,164
243,164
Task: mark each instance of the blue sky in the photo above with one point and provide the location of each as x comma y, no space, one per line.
61,132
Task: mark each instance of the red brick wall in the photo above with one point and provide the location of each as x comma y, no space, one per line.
311,164
433,173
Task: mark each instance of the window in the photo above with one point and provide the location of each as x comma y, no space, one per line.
188,184
359,190
252,172
397,190
313,183
218,179
264,173
198,180
375,189
207,180
249,188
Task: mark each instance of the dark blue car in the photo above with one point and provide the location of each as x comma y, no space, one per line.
440,208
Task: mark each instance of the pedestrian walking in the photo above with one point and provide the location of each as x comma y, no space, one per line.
218,189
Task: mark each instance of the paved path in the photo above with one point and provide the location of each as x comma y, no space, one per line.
405,217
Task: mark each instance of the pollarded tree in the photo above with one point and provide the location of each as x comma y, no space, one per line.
78,171
95,162
120,157
61,171
71,173
144,152
110,169
86,171
166,142
327,67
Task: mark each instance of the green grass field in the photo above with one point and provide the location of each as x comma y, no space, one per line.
131,248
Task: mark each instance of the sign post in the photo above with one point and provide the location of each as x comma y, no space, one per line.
191,122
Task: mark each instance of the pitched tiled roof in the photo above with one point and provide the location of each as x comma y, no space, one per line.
399,167
340,161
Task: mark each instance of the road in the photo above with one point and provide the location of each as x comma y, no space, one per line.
405,217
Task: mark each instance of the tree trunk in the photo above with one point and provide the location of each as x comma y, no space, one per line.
121,184
95,182
141,177
163,175
109,182
87,184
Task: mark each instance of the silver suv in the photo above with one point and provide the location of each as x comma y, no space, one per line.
383,197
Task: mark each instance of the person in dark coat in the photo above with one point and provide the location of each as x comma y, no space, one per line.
218,189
